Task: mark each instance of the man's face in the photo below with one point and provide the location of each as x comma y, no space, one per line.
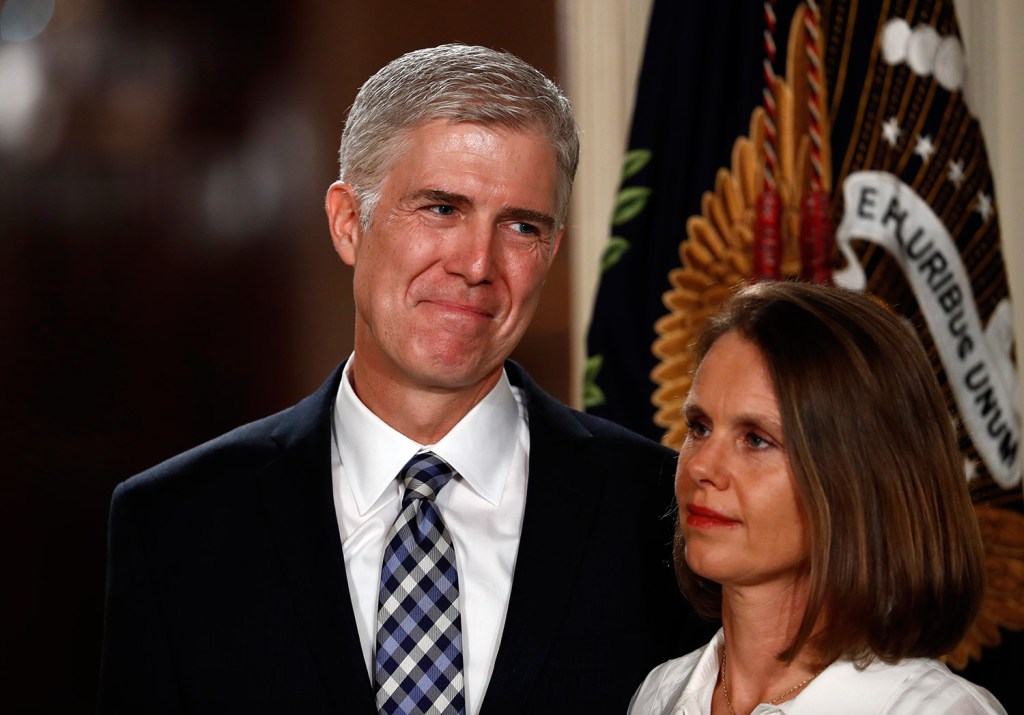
449,273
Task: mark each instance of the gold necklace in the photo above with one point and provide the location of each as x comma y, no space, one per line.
774,701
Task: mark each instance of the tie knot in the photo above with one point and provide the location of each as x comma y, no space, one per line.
424,475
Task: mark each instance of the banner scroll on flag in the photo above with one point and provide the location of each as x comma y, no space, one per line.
846,113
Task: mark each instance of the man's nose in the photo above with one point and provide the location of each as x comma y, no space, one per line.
472,255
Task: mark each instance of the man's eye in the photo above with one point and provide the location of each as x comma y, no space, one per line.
443,210
525,228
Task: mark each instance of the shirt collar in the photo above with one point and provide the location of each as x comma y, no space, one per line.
819,695
699,691
480,447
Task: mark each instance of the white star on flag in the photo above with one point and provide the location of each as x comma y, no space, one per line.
970,470
984,206
891,131
956,172
924,147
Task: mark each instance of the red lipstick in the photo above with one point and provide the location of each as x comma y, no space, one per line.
703,518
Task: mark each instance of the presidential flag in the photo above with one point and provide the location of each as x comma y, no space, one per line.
757,129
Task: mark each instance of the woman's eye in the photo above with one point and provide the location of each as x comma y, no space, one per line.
697,429
757,441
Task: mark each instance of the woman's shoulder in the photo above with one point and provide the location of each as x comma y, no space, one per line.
909,687
929,686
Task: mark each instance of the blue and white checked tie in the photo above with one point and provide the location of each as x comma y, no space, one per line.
418,665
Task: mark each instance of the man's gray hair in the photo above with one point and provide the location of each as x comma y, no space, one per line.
459,83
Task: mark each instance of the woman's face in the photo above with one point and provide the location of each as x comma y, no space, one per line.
739,510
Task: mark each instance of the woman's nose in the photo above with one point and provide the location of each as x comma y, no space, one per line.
704,463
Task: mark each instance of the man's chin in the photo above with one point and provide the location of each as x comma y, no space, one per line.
458,375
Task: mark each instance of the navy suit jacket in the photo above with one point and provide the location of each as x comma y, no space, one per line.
226,586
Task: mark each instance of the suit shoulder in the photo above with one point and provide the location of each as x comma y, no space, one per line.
549,411
240,453
242,450
606,429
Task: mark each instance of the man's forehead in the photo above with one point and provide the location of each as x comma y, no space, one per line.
528,129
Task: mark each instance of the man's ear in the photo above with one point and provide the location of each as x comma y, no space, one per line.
555,244
342,208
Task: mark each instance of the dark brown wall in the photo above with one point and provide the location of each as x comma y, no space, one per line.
166,272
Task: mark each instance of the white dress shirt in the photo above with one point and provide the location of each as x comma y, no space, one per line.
482,508
915,686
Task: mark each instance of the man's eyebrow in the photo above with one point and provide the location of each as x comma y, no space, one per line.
439,196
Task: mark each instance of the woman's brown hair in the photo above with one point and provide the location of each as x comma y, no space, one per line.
896,564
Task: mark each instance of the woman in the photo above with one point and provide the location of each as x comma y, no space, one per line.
823,515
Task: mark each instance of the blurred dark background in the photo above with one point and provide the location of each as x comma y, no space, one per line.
165,269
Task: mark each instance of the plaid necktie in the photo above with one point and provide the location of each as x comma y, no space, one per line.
418,666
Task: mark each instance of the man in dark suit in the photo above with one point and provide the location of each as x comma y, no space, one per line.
246,575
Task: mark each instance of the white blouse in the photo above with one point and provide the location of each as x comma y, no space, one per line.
684,686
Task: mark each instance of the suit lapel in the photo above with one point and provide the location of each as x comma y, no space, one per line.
551,548
299,501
